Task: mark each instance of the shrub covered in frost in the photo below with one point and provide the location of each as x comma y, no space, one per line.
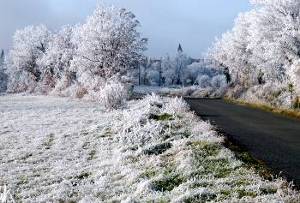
203,81
112,95
176,106
275,94
218,81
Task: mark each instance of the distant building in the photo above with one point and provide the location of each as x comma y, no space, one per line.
2,57
179,50
150,70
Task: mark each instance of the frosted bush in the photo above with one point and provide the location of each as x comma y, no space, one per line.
219,81
203,92
153,99
112,95
188,91
176,106
270,93
76,91
91,82
143,125
28,83
205,87
65,87
203,81
135,125
235,92
152,105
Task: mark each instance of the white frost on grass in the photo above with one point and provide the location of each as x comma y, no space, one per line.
195,91
56,149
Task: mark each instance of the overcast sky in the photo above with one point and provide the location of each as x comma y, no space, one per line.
193,23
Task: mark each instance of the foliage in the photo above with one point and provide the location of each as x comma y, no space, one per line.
112,95
29,44
78,61
107,44
55,63
263,47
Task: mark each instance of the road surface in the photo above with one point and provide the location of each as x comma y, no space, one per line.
271,138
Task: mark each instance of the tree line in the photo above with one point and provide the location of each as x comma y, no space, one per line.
82,58
262,52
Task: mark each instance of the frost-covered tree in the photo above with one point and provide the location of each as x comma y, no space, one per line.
191,73
264,41
78,61
153,77
275,36
168,71
231,50
219,81
262,52
198,69
108,43
3,75
55,63
29,44
204,81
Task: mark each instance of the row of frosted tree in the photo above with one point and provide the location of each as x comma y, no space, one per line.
180,70
262,52
80,59
258,60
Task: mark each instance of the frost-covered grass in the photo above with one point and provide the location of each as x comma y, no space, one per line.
195,91
152,150
293,113
145,89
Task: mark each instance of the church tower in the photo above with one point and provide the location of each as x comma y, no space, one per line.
179,50
1,57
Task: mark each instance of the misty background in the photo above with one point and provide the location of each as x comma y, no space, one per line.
193,23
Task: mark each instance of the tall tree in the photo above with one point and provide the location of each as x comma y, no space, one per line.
29,44
168,71
55,63
265,40
108,43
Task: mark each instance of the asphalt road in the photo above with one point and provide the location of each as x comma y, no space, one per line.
271,138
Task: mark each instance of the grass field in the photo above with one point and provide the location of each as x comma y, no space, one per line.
151,150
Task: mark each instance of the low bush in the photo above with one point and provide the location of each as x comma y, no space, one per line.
112,95
273,94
